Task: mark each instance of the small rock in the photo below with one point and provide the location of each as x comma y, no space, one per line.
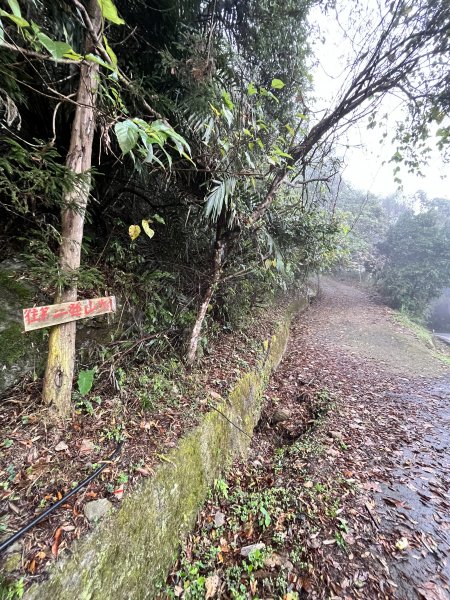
333,452
219,519
279,415
97,509
246,550
61,447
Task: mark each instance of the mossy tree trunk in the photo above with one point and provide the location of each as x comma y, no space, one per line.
61,357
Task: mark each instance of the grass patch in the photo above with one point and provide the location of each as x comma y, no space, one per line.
421,332
423,335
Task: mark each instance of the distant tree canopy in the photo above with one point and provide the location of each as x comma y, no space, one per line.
417,253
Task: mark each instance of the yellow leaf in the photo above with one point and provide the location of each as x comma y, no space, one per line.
134,231
401,544
146,227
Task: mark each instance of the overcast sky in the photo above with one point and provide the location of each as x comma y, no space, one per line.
364,155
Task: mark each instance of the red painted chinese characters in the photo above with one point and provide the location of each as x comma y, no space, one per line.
39,317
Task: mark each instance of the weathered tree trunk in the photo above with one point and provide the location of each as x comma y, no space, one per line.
219,253
61,356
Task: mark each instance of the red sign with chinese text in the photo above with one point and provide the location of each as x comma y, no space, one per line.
38,317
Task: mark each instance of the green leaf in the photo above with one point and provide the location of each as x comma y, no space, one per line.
251,89
146,227
280,152
2,33
85,381
227,99
72,55
110,52
15,19
268,94
15,8
218,197
159,219
127,134
96,59
277,84
290,129
109,12
57,49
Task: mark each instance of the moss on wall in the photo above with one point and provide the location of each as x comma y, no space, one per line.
129,554
16,290
19,352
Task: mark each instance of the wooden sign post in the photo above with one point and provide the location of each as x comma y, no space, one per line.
38,317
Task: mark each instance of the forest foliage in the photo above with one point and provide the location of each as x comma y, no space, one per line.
211,178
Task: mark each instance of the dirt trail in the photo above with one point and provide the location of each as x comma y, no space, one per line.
345,493
399,434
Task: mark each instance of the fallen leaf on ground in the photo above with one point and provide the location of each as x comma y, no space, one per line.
211,585
401,544
57,541
87,446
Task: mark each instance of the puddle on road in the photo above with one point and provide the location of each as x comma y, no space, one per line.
415,503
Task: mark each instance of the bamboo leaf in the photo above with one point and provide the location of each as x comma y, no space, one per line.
57,49
15,8
110,52
227,99
96,59
19,21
